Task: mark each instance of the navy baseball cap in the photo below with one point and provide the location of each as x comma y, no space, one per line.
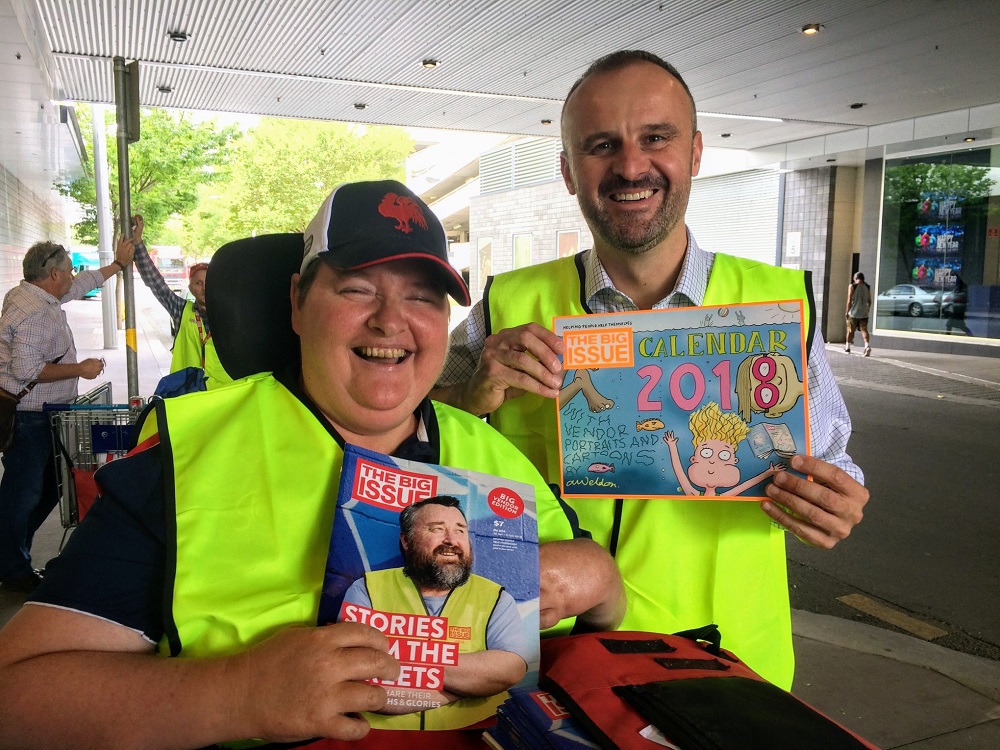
365,223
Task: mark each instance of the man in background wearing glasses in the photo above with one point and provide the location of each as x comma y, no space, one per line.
37,352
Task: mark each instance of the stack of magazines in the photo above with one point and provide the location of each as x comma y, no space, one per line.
532,719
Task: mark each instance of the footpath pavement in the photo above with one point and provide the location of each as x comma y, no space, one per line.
895,690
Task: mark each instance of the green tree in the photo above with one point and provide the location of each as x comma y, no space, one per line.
908,182
173,157
284,169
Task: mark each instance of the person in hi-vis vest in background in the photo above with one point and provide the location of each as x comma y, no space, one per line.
210,540
193,345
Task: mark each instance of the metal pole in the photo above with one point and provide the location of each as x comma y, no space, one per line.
105,231
125,219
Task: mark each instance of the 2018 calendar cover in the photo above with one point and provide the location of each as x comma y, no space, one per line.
694,402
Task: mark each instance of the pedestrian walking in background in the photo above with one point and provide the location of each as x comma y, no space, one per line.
859,304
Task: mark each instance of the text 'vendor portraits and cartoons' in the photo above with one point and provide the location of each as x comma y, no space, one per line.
444,562
682,402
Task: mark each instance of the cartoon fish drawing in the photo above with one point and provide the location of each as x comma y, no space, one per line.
597,468
649,425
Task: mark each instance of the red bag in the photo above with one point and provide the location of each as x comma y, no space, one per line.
699,696
86,491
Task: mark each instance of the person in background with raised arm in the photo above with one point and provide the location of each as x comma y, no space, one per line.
38,363
193,345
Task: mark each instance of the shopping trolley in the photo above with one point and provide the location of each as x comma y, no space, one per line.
86,434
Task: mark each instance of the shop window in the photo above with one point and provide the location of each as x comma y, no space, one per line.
939,262
568,243
522,250
485,260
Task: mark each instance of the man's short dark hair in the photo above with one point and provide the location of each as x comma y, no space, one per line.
41,258
406,517
622,59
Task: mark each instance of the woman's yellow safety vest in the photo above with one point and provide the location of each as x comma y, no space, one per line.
468,606
685,563
194,347
251,478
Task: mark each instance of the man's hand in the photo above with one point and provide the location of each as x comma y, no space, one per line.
515,361
309,682
125,251
821,512
579,577
137,226
91,368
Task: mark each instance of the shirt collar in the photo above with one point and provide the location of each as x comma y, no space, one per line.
36,291
691,283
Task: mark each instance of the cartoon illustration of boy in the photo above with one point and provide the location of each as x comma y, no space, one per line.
715,435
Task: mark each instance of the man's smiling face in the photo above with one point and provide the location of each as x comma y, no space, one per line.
437,552
630,153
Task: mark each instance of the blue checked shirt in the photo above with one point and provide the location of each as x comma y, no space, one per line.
33,333
829,422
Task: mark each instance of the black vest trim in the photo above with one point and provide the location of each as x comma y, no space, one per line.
811,303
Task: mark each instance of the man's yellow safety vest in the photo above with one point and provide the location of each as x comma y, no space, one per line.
685,563
468,606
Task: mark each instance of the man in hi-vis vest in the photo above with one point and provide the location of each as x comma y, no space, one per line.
630,148
193,345
190,593
437,580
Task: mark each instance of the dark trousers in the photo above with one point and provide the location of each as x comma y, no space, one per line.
28,491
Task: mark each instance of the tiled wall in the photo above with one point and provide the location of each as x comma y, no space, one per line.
25,218
540,210
808,209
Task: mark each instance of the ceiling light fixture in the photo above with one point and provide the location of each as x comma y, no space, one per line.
360,105
811,28
430,62
857,105
756,118
546,121
970,139
178,36
725,135
164,88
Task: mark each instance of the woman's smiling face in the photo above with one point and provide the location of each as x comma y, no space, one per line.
374,341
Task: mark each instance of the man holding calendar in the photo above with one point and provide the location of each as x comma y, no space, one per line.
631,146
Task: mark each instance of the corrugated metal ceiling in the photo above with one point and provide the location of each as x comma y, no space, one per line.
740,57
505,64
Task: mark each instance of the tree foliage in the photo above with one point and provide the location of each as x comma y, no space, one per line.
909,182
166,167
284,169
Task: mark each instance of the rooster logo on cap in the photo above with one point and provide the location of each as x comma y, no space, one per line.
403,210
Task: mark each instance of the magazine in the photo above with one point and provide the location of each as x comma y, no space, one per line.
444,561
682,402
533,719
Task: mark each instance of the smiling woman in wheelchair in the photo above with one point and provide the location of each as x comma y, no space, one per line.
210,541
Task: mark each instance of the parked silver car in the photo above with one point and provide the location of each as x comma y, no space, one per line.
909,299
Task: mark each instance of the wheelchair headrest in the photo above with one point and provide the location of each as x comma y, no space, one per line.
250,312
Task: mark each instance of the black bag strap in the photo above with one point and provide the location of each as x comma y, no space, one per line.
27,389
